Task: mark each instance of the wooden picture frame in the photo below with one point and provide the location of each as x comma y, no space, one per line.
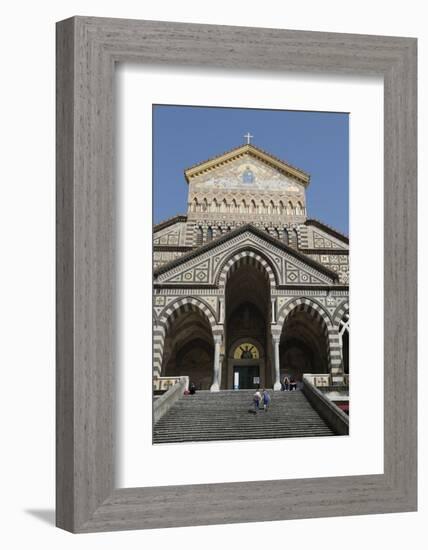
87,50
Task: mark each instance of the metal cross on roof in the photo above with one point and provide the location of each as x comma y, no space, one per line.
248,137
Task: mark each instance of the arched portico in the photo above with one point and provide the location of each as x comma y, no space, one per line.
247,280
308,341
184,341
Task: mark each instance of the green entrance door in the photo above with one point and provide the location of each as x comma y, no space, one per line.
246,377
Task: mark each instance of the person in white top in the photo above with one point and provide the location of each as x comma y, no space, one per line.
257,398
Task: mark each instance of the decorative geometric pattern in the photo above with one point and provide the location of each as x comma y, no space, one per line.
196,274
335,262
298,275
321,241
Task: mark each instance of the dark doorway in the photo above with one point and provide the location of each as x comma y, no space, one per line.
345,351
248,321
303,347
246,377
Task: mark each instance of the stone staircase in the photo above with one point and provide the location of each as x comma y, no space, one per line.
224,415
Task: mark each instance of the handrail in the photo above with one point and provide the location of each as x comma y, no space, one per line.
329,412
163,403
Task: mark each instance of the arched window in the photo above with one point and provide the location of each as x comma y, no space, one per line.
214,206
285,236
209,234
199,236
293,238
299,209
204,205
290,208
233,206
223,207
219,231
194,206
262,208
253,207
271,208
280,208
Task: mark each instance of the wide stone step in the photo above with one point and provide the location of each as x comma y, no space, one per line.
224,415
239,436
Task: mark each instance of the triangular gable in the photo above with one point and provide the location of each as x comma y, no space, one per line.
203,265
247,150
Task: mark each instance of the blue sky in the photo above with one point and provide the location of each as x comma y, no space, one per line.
316,142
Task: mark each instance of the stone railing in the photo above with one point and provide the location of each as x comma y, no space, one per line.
325,380
329,412
162,384
162,404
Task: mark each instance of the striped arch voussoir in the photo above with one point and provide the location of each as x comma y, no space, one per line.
304,304
166,319
183,305
246,257
340,313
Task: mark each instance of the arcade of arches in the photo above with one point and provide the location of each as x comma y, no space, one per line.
252,348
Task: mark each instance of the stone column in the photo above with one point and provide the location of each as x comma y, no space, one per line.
215,386
273,301
335,357
275,340
221,313
158,349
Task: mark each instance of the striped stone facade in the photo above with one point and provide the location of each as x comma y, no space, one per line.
303,262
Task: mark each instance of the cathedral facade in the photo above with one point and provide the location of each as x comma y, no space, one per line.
247,288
